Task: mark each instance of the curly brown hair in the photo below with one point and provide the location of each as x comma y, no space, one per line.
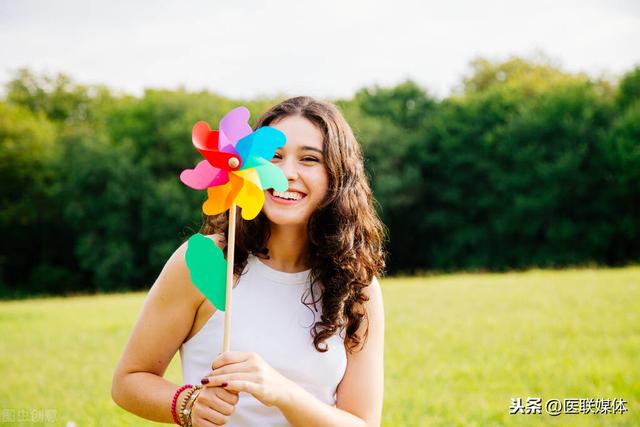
345,234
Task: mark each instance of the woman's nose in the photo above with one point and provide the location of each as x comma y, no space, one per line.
290,169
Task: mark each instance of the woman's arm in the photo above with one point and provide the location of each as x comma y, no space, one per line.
164,322
359,395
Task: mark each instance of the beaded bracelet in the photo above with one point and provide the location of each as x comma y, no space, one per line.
174,401
183,407
192,402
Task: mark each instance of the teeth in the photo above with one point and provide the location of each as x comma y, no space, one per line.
287,195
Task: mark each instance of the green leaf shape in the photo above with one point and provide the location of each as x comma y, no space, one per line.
208,269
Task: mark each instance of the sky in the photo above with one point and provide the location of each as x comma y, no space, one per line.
329,49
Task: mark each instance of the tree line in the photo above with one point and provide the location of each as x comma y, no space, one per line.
523,165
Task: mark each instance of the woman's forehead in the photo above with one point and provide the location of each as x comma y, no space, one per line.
301,133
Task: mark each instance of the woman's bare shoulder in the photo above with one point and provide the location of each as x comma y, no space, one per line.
175,281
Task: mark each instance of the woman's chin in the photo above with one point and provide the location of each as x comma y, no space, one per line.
285,220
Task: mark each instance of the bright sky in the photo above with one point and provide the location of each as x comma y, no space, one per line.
328,48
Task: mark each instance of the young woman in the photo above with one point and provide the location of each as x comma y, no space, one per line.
308,326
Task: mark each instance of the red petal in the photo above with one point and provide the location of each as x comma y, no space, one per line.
219,159
204,138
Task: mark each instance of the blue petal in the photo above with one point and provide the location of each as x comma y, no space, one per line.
261,143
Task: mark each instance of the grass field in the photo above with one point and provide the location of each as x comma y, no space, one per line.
458,348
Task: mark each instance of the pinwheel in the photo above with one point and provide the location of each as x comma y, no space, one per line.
237,166
236,171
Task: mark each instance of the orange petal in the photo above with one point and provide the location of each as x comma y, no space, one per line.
221,196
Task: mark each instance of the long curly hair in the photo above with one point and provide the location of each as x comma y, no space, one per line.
346,237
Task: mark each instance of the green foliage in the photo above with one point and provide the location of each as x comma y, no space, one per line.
532,76
526,165
404,105
57,97
101,192
516,172
629,89
26,153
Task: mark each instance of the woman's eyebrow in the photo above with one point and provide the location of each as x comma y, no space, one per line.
308,147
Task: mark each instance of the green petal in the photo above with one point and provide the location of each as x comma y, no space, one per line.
208,269
271,176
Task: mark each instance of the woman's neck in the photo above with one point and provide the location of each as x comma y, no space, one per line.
288,248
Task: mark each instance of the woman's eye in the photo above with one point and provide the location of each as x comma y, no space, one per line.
304,159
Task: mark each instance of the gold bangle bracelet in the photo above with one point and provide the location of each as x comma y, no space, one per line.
192,402
183,405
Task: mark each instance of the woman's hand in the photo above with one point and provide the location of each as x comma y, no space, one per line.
240,371
214,406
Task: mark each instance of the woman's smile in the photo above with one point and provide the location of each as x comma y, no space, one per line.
286,197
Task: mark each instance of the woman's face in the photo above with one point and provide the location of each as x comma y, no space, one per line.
302,162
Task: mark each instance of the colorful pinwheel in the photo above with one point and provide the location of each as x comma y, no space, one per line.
237,166
236,171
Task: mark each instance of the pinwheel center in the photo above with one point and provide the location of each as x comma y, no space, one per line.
234,162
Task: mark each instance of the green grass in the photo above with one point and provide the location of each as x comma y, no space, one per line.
458,348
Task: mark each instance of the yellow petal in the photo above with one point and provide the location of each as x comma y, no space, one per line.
251,196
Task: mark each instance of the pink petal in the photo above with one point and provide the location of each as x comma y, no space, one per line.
203,176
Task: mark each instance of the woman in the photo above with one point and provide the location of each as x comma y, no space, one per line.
308,324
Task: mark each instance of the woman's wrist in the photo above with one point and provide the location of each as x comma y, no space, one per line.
187,404
190,404
287,399
182,402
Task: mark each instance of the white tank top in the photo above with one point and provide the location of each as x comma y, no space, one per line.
269,318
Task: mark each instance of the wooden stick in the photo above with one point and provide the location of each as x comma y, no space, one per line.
231,246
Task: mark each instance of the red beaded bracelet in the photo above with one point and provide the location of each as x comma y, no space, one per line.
174,402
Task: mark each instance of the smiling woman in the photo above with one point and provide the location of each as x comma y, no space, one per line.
309,325
301,160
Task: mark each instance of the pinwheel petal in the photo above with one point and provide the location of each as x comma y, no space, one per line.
203,175
230,149
222,177
271,176
235,126
207,141
261,143
204,138
251,197
218,159
221,196
207,269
